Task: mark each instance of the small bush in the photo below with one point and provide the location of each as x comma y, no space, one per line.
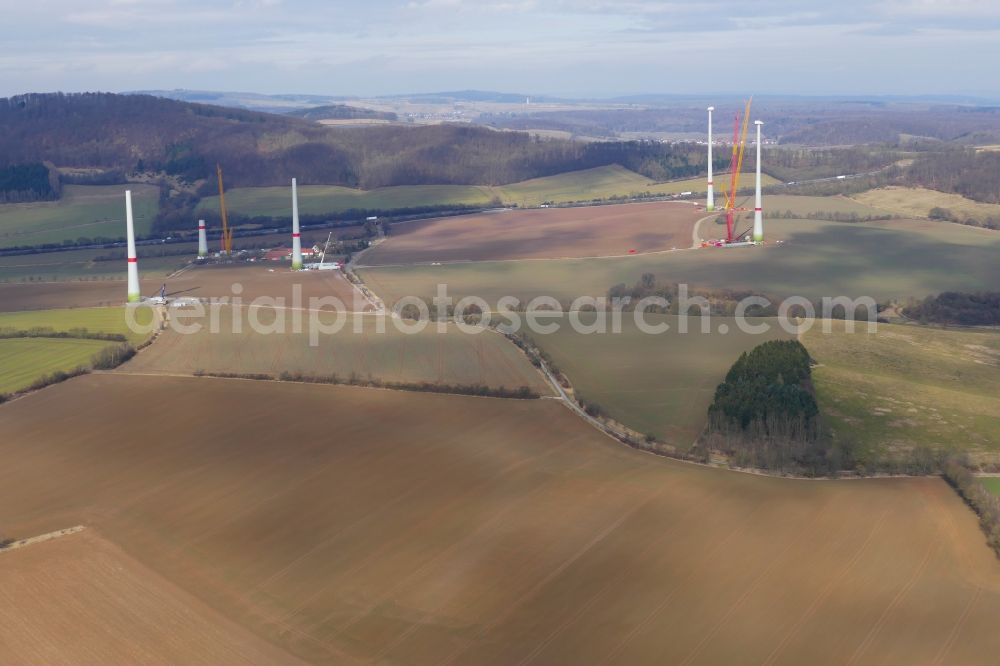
56,377
111,357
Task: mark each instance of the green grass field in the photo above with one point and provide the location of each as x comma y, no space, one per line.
992,484
894,259
908,387
321,199
585,185
660,384
95,320
23,360
599,183
86,211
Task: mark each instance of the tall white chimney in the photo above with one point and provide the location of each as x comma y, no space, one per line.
758,217
296,236
710,203
202,239
134,295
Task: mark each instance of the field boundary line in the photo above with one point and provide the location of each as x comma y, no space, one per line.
48,536
276,380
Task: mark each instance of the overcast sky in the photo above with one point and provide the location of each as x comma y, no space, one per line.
560,47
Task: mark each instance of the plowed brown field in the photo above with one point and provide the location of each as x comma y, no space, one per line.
393,356
540,233
81,600
360,526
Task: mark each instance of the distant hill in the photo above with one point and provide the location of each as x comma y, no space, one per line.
246,100
146,133
341,112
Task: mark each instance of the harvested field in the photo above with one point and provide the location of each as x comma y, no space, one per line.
893,259
348,527
660,384
918,202
357,349
261,280
73,265
257,280
806,205
80,599
55,295
539,234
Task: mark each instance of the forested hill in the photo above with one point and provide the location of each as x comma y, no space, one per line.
141,132
341,112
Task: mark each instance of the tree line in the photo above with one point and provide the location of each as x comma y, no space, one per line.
968,172
704,301
32,181
958,308
977,496
354,379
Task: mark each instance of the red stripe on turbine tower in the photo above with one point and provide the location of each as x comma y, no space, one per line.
132,260
296,235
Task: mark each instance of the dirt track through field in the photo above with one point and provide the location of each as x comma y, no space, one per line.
349,525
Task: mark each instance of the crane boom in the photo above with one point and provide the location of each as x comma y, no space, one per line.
736,165
743,144
227,233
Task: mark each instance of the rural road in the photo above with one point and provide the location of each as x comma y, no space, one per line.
695,233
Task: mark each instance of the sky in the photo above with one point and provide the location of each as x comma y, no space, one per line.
578,48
